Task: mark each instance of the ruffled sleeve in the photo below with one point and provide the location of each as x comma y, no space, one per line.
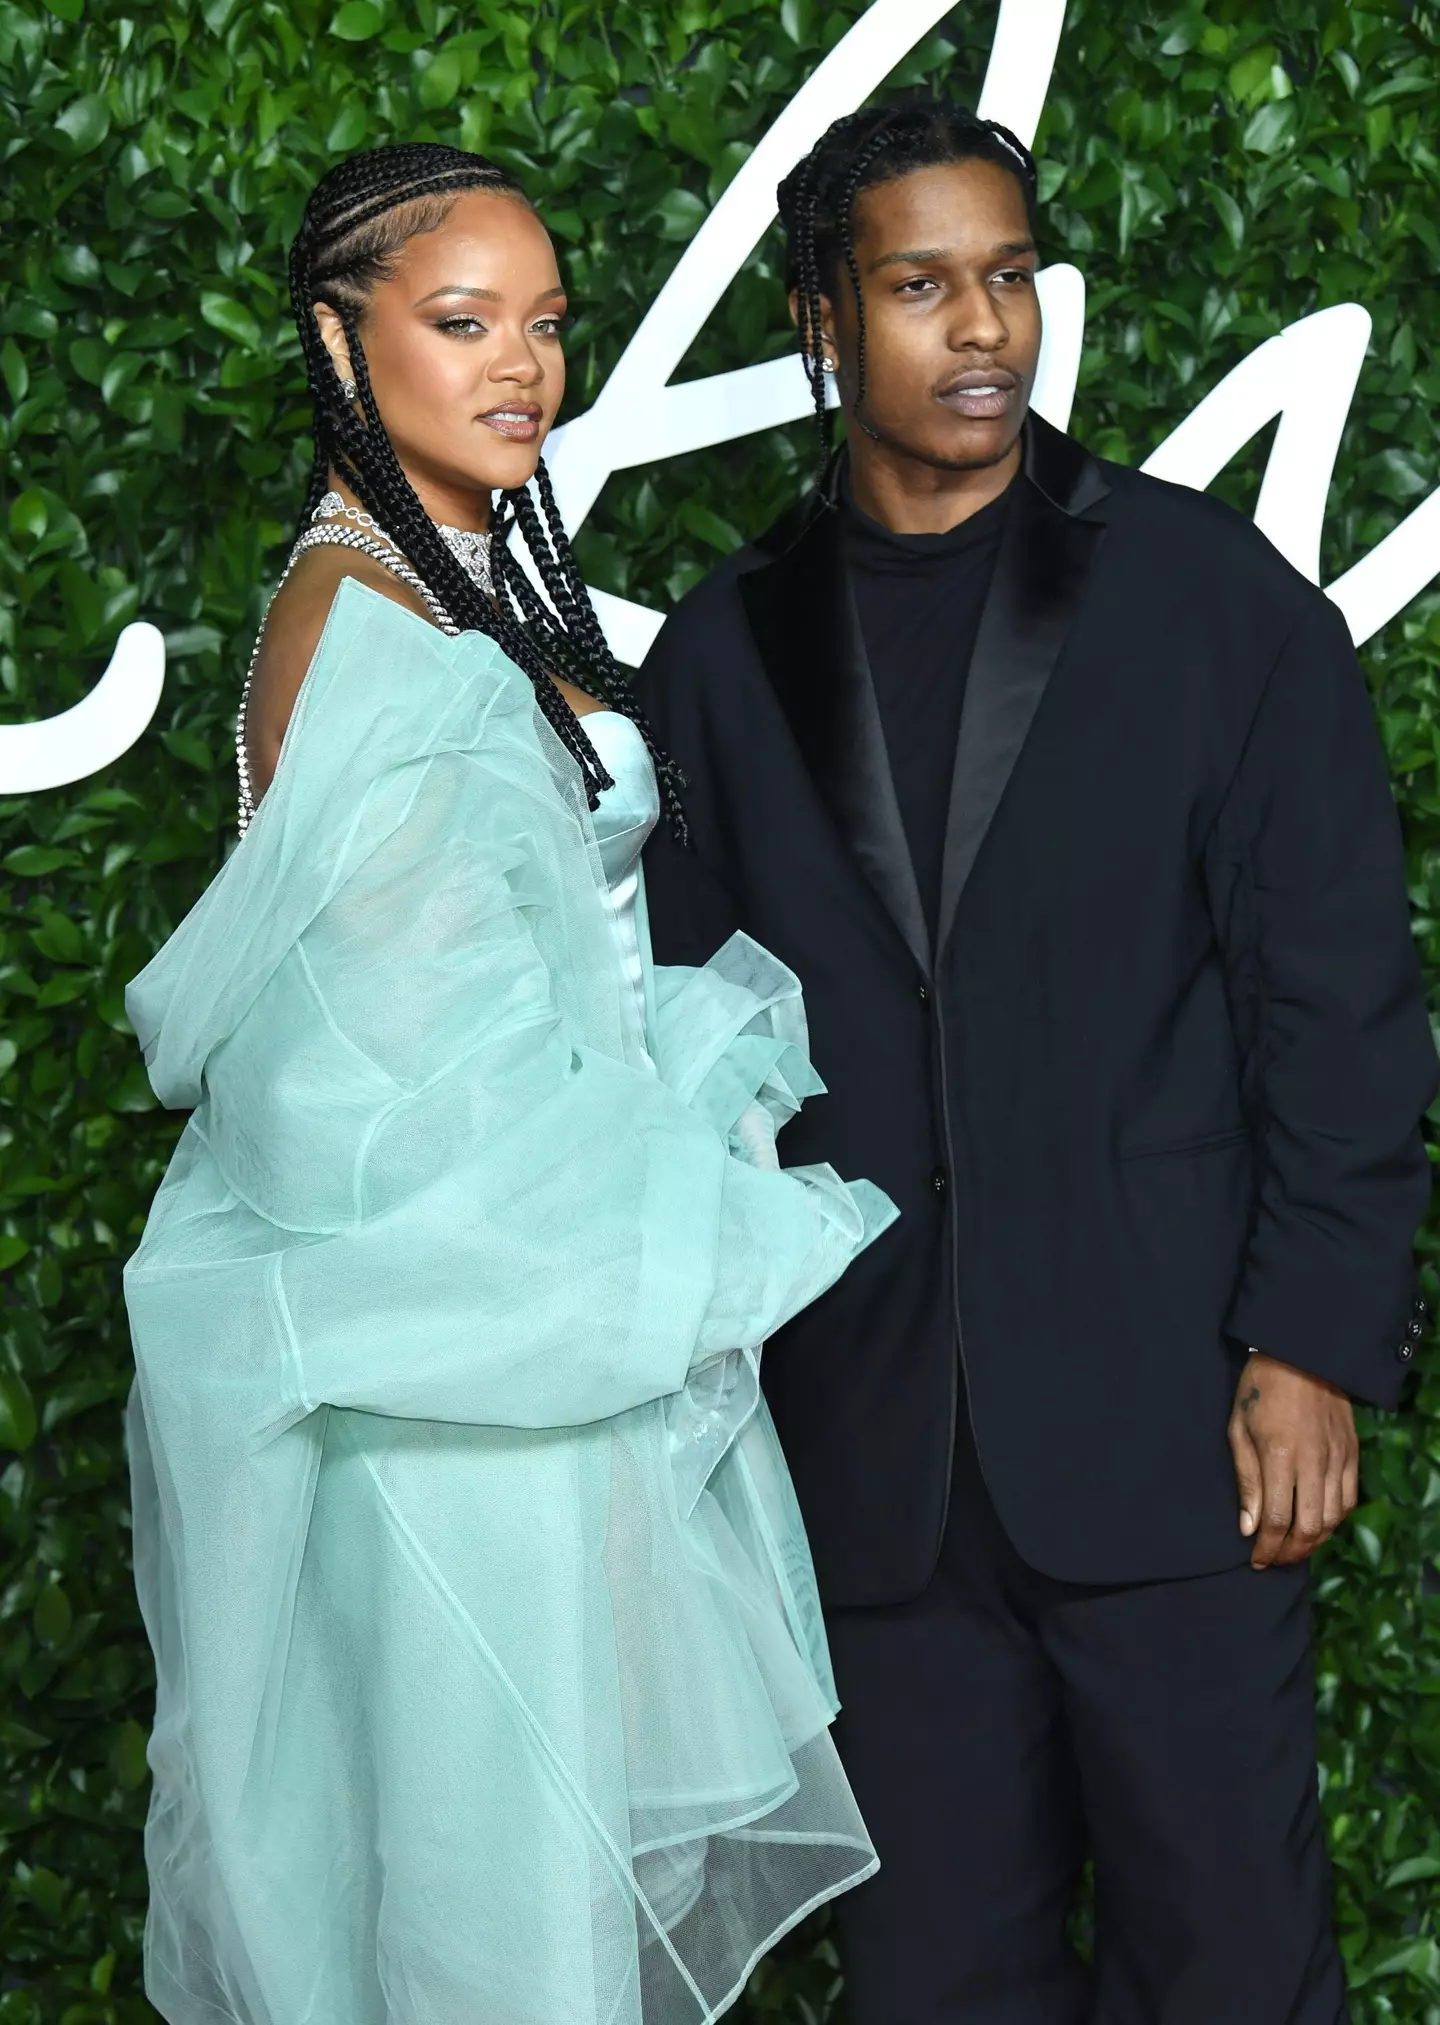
465,1203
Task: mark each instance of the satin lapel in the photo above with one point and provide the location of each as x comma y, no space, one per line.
802,613
1040,574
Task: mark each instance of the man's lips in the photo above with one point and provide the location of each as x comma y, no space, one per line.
518,420
981,395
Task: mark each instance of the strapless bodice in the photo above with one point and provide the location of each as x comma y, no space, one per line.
628,812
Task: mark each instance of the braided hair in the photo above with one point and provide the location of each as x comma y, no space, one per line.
817,204
358,218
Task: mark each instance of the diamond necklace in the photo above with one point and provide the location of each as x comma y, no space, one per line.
470,550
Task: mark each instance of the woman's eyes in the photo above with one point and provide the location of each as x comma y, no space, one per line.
472,327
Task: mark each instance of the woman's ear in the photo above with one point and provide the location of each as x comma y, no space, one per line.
332,336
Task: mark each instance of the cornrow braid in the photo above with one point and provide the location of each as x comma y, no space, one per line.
869,152
817,200
356,222
807,297
578,643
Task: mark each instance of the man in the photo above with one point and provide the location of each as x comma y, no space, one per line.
1060,791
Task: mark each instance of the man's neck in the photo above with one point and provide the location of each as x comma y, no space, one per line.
913,498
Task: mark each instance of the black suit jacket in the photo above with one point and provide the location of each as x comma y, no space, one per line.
1155,1095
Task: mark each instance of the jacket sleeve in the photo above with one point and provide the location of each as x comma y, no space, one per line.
1343,1064
692,912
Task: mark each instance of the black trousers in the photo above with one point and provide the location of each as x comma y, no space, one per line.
1005,1726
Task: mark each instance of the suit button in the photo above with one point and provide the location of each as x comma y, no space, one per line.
939,1180
924,994
1405,1352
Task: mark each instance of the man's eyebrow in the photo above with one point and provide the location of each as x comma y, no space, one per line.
909,257
477,294
918,256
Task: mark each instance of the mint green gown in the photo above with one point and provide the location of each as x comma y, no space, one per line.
492,1685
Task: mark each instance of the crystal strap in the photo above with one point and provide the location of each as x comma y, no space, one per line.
470,550
325,535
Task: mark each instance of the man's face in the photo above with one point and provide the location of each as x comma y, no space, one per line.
952,321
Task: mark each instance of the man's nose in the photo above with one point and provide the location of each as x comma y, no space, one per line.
977,324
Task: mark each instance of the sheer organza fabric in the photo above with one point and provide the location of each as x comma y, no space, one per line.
492,1683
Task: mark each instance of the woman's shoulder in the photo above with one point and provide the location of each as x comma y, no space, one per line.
293,630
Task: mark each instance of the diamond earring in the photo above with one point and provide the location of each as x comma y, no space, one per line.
347,388
827,365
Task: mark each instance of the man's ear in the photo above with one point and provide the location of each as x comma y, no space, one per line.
332,336
827,326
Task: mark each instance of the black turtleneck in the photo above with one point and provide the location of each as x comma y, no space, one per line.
919,598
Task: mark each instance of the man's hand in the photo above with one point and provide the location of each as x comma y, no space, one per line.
1297,1459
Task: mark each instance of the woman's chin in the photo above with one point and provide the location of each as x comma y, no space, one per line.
505,466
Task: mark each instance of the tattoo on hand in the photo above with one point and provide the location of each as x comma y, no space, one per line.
1249,1399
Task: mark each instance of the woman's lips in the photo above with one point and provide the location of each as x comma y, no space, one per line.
520,425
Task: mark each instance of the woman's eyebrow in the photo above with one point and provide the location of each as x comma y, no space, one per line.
478,294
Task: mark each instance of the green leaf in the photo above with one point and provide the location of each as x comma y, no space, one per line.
31,319
59,938
127,1756
53,1616
17,1412
1269,129
29,515
680,214
14,369
63,1402
1229,214
187,640
89,356
357,21
1413,1870
191,747
33,861
133,1091
12,1249
720,534
1250,75
440,80
231,318
79,265
86,120
66,10
348,131
43,1888
64,988
1182,34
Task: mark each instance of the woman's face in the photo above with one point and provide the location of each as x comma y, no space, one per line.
463,347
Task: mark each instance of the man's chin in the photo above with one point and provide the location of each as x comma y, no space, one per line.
966,446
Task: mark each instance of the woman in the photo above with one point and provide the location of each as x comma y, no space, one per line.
492,1685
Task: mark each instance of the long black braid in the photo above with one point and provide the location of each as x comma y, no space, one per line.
358,218
817,206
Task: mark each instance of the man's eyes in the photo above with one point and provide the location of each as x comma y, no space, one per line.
924,284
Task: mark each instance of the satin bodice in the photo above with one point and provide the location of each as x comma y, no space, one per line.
628,812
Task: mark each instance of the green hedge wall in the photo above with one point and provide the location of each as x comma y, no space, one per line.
1216,171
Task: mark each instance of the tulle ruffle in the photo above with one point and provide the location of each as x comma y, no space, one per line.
492,1683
